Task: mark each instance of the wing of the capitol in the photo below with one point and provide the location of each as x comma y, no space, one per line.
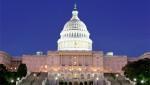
74,58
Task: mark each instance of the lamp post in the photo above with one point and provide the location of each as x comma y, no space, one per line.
97,80
134,81
12,81
17,81
56,78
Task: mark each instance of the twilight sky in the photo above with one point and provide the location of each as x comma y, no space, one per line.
121,26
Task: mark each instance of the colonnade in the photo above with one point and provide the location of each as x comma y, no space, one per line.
75,79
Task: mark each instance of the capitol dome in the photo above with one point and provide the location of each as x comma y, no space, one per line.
75,35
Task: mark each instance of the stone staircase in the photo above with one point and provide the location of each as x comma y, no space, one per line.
34,79
119,80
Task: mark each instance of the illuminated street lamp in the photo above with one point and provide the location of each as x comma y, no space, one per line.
58,74
134,83
142,81
56,78
18,78
134,79
80,69
117,75
12,81
45,66
34,75
97,80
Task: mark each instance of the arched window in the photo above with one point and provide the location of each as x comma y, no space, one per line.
70,83
82,76
85,83
90,82
95,75
81,83
65,83
88,76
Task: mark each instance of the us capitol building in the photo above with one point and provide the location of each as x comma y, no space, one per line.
74,58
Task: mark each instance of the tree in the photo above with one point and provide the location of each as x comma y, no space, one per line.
6,76
22,70
3,71
2,68
9,76
138,71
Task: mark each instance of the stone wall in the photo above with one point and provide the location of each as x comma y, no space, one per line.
114,64
4,58
34,63
58,60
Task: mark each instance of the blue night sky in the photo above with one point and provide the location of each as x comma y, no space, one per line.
121,26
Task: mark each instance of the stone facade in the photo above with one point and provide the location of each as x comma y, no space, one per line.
71,64
5,58
35,63
145,55
114,64
64,60
57,60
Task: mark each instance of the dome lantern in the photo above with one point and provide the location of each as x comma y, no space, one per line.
75,13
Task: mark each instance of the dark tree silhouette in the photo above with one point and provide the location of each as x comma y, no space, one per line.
3,71
3,68
22,70
139,70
